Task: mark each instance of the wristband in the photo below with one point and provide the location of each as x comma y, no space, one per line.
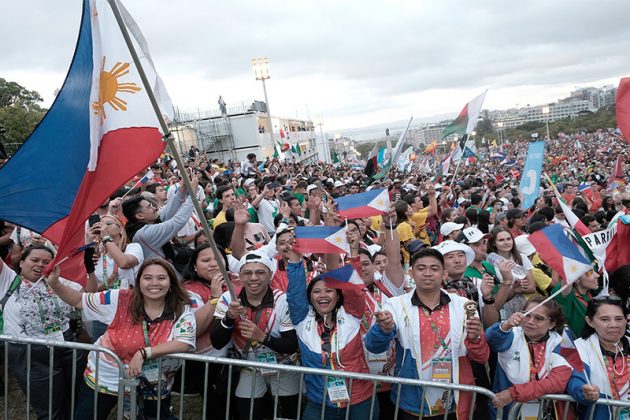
107,239
214,301
488,301
148,352
143,353
226,326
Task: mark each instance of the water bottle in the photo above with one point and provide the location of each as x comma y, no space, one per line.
518,271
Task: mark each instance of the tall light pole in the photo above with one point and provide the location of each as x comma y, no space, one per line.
261,72
545,110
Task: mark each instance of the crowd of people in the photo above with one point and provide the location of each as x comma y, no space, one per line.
454,291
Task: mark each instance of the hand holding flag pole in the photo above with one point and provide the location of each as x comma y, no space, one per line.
168,137
50,267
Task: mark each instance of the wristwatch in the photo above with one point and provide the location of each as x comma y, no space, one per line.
489,301
107,239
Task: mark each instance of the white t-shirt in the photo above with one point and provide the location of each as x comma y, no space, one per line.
126,276
32,310
267,210
103,307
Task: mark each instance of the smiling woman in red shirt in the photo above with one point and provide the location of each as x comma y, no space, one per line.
152,320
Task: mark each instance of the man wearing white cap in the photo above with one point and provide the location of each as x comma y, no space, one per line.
450,231
259,325
457,257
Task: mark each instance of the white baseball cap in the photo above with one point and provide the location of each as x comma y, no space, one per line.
523,245
473,235
448,228
339,184
257,257
311,188
452,246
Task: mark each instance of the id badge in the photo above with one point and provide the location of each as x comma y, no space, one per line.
337,390
150,370
52,329
267,357
529,411
441,370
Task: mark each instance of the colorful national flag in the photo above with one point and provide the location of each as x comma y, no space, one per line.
366,204
371,167
467,119
101,123
431,147
572,219
147,177
345,277
393,157
568,350
559,253
622,106
321,239
335,159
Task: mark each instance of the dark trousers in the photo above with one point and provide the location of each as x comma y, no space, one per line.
263,409
40,375
105,404
216,389
403,415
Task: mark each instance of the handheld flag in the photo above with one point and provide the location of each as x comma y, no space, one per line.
147,177
366,204
321,239
567,350
335,159
101,122
622,106
557,251
572,219
371,168
467,119
393,157
345,277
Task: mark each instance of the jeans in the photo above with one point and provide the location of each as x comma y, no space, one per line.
360,411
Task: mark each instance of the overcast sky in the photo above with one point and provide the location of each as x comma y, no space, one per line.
356,63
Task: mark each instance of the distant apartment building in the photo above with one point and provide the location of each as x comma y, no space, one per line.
581,100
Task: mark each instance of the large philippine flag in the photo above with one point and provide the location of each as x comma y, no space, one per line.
345,277
100,131
321,239
366,204
557,250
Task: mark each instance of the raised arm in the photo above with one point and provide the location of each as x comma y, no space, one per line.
394,270
71,296
296,290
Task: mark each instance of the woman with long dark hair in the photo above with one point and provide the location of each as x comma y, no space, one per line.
327,323
502,243
31,309
150,321
605,352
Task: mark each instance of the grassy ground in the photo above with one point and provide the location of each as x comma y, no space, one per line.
17,405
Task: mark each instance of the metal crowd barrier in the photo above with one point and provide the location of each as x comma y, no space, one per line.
349,376
614,405
127,387
123,384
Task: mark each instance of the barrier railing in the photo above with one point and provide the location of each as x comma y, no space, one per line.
123,384
614,405
325,373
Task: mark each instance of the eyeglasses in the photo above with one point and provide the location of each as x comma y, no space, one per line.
537,318
610,298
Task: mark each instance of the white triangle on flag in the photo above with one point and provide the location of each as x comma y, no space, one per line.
381,202
573,269
340,240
